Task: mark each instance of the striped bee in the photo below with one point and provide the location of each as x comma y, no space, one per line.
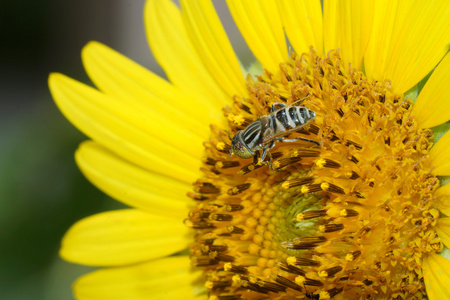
274,127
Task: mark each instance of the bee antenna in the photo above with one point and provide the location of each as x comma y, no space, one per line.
300,101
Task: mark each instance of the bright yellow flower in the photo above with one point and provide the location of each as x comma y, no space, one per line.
361,215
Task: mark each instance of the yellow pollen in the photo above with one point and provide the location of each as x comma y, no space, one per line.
324,186
300,280
209,284
300,217
236,119
236,279
220,145
231,117
345,212
285,185
276,165
291,260
320,163
323,274
253,279
227,267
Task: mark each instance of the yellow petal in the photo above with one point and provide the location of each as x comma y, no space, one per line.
432,107
302,21
440,155
175,53
443,199
136,135
168,278
260,24
354,26
436,272
211,43
122,78
408,39
132,185
443,230
123,237
331,25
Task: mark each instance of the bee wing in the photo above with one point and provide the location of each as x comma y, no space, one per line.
270,135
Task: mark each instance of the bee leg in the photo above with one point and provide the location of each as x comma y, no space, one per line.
256,158
267,152
298,138
298,102
270,162
264,153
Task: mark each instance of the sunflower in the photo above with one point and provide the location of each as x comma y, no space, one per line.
345,197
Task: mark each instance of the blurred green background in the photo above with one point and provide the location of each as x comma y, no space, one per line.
41,190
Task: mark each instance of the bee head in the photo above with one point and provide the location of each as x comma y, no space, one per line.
239,147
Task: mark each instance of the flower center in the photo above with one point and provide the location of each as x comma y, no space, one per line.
340,207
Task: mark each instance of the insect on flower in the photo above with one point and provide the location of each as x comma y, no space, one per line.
274,127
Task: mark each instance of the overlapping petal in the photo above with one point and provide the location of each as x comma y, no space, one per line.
140,136
131,184
408,40
432,107
122,78
436,272
443,230
123,237
260,24
211,43
302,22
175,53
443,199
168,278
440,155
348,25
331,26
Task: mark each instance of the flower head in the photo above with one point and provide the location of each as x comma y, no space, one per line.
343,198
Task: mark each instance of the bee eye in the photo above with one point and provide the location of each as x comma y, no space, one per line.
239,148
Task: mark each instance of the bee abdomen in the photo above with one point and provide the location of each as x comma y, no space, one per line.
292,117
